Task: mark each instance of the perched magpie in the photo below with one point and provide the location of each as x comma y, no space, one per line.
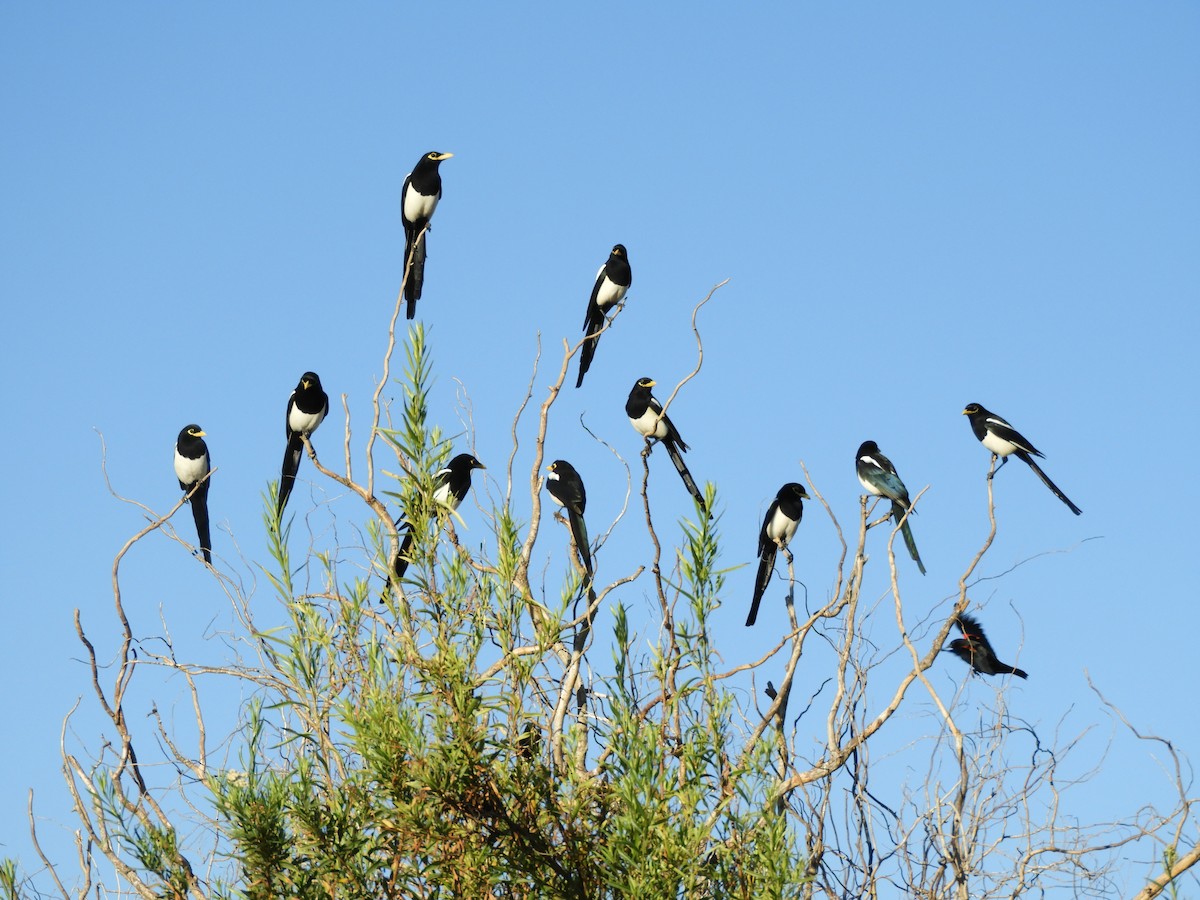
192,463
878,476
778,529
974,649
566,489
419,198
646,415
1004,440
450,487
612,282
306,410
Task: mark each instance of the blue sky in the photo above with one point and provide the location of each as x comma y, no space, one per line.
917,207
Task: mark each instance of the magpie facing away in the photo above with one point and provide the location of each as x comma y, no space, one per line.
1004,440
612,282
879,477
566,489
418,199
191,465
450,487
974,649
306,410
647,417
778,529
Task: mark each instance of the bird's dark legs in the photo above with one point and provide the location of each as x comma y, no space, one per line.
996,468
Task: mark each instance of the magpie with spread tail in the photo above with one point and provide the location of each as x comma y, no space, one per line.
974,649
778,529
879,477
192,463
566,489
418,199
1004,441
647,417
612,283
450,488
306,409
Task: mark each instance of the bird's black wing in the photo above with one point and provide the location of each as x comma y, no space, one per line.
906,532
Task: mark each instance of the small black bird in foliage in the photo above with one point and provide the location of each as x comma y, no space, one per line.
646,415
612,283
778,529
974,649
419,198
306,410
450,487
192,464
1004,441
566,489
879,477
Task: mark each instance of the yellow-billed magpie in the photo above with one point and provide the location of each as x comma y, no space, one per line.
566,489
306,409
778,529
1003,440
418,199
612,283
192,464
976,651
647,417
450,488
879,477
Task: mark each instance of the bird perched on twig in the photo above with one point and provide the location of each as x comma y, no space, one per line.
192,464
647,417
778,529
1004,441
975,650
418,199
450,487
566,489
306,410
612,283
879,477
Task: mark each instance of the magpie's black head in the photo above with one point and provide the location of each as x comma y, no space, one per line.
560,467
972,409
435,156
191,431
868,448
794,491
619,250
646,383
309,380
465,462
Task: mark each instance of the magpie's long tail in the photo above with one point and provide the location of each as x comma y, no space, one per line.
1046,481
681,467
588,351
580,536
400,561
199,503
414,258
906,532
766,567
291,465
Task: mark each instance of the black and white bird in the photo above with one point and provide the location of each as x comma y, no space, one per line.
976,651
612,283
566,489
647,417
306,410
1003,440
450,487
192,464
778,529
418,199
878,476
